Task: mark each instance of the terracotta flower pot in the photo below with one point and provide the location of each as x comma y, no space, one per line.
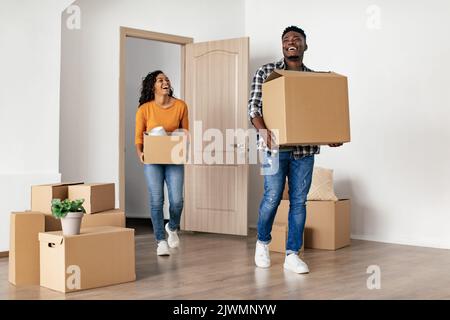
71,223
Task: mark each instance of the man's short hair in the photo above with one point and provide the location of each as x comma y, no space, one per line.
295,29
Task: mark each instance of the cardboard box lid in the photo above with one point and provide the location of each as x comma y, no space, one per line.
166,139
94,184
24,213
111,211
58,184
277,73
169,134
325,201
58,238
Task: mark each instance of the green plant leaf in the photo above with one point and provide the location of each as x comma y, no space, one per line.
61,208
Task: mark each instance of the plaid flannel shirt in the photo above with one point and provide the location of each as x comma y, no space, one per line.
255,104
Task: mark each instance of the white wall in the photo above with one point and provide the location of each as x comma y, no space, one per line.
29,101
142,57
396,169
90,71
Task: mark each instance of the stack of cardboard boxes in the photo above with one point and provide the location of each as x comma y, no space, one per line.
327,223
103,254
309,108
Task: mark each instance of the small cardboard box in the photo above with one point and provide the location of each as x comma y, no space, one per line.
97,197
306,107
327,224
98,257
24,247
42,195
113,218
165,149
279,238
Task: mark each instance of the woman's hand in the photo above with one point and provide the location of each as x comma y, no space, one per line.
140,152
141,157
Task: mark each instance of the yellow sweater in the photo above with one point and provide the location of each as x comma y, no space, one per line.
151,115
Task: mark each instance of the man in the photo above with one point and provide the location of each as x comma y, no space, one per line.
296,163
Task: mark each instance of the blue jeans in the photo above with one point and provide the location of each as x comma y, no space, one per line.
156,174
299,173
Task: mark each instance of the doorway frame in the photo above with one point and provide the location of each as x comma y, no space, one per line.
146,35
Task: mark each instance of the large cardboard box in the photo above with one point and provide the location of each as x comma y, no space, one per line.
279,238
97,196
165,149
42,195
24,247
113,218
98,257
307,107
327,224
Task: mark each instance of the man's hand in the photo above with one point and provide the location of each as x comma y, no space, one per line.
269,138
335,145
266,134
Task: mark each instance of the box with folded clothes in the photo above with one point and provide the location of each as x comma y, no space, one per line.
169,149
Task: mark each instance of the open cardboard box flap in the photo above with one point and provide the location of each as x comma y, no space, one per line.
277,73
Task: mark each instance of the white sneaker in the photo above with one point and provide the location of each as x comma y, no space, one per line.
163,249
262,258
293,263
173,239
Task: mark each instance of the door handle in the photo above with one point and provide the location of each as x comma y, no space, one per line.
238,145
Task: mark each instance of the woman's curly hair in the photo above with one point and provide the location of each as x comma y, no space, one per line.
148,87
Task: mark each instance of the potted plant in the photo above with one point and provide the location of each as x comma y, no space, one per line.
70,213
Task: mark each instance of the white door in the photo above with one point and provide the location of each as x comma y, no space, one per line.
216,91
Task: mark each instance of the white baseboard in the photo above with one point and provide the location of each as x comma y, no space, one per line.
15,190
406,242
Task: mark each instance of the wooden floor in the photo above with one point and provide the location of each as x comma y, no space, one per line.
209,266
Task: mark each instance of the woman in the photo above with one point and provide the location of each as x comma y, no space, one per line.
158,107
